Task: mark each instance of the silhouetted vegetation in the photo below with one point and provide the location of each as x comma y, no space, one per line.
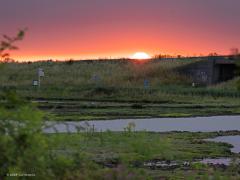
8,43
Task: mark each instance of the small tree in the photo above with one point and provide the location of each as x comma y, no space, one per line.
22,143
8,44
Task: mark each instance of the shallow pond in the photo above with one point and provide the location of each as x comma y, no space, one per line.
193,124
233,140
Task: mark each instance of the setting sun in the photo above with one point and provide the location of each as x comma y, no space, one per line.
140,55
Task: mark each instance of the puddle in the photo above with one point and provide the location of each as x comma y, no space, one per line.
219,161
233,140
164,165
167,165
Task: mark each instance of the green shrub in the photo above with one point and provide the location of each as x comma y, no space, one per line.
22,144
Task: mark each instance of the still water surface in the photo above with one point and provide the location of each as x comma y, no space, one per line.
234,140
193,124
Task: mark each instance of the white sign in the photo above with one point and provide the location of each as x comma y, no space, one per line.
35,83
40,72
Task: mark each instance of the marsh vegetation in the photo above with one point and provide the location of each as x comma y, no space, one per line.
92,90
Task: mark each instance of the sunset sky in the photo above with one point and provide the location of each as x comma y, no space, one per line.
80,29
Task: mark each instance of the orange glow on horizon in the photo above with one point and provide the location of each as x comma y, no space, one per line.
21,57
63,30
115,45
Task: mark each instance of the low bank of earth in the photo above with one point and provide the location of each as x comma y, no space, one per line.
68,110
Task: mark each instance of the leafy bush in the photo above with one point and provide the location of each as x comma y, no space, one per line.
22,144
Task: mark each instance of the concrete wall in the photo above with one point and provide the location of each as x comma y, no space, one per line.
211,71
200,72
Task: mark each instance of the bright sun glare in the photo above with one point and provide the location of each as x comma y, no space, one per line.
140,55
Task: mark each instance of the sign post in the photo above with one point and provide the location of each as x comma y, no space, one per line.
146,83
40,74
35,83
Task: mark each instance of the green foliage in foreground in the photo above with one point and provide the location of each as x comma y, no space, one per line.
25,150
130,147
22,144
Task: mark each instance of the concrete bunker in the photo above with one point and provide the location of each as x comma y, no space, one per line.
210,71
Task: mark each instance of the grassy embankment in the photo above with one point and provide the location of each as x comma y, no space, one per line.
110,90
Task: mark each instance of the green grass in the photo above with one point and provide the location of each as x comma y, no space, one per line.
71,84
111,110
146,146
227,86
131,149
116,80
78,74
